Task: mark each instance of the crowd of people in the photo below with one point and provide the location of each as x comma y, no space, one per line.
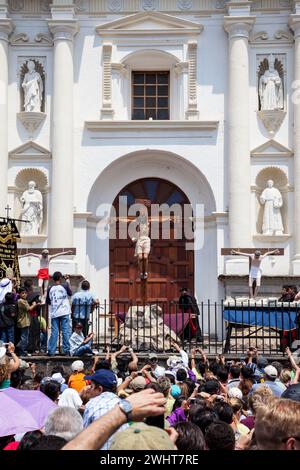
189,403
22,321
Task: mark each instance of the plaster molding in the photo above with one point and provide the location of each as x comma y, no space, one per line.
40,40
272,119
136,125
31,120
30,150
157,24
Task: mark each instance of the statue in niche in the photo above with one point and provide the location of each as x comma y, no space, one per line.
271,199
33,89
32,211
271,88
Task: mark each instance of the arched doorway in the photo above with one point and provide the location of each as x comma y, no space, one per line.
171,266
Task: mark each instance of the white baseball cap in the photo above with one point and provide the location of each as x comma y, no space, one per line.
77,366
270,371
58,378
235,392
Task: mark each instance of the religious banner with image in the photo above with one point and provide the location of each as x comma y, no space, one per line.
9,235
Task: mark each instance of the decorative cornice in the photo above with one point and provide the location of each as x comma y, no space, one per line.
149,126
6,28
272,119
30,150
119,68
284,35
181,67
40,40
31,120
280,37
64,29
239,26
294,24
262,35
168,25
264,150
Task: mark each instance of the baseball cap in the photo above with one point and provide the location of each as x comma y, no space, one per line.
103,377
137,384
140,436
58,378
77,366
262,362
271,372
235,392
174,361
292,392
153,356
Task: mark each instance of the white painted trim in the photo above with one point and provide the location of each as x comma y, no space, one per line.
136,125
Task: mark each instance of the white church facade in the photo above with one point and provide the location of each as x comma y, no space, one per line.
188,101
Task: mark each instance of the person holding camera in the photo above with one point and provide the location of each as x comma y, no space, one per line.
9,363
59,312
79,345
8,313
24,320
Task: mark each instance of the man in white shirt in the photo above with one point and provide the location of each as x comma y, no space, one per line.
60,313
79,345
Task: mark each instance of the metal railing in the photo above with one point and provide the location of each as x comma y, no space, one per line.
216,327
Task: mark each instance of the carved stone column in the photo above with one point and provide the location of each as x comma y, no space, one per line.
61,219
238,151
6,27
238,131
294,23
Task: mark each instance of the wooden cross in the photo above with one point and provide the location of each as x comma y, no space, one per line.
8,209
52,251
228,251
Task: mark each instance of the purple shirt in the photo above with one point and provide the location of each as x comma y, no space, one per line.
177,416
249,422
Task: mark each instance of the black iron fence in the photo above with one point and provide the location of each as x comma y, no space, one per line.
215,327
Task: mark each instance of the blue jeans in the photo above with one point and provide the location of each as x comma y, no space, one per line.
23,343
43,341
84,349
7,335
65,325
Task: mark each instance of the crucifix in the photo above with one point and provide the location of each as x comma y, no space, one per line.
7,218
45,257
255,259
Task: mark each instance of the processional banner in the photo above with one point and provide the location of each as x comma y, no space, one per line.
9,235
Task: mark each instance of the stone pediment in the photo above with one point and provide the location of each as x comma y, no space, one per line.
30,150
149,22
271,149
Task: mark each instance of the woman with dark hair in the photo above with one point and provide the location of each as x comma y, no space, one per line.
190,437
180,411
51,389
29,439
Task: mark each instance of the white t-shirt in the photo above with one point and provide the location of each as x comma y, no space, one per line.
58,301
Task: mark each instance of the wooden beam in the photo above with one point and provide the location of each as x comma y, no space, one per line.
227,251
52,251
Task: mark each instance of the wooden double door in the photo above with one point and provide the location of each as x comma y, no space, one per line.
171,266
